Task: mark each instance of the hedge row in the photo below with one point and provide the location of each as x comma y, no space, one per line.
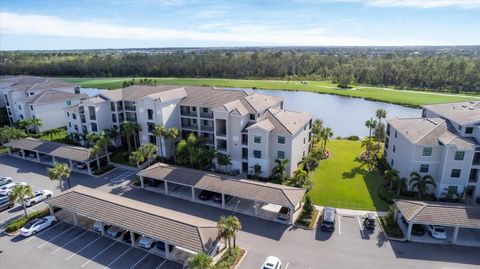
19,223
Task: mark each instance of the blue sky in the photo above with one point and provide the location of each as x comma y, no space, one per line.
75,24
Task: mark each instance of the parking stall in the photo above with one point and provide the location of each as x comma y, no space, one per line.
132,224
265,200
439,222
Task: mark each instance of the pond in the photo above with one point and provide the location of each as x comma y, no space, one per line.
345,115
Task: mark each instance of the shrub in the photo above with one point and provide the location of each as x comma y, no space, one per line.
386,194
353,138
19,223
229,259
308,207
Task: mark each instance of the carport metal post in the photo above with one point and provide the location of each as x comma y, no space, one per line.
103,228
132,238
292,214
142,183
223,200
455,234
9,150
89,168
71,164
193,194
53,159
409,230
256,208
23,153
38,156
167,250
50,208
75,220
166,187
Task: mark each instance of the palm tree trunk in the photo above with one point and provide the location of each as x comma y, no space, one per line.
106,152
68,181
135,141
174,153
379,132
128,143
161,148
24,208
98,161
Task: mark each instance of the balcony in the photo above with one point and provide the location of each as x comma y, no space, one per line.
82,119
190,126
221,132
221,145
130,108
188,113
207,115
207,128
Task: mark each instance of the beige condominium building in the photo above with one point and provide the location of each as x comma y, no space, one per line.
26,97
252,128
443,143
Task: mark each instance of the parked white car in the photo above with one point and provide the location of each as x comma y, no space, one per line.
38,197
272,262
6,189
81,166
114,232
37,225
437,232
146,242
5,180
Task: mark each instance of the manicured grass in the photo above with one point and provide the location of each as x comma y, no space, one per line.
342,181
121,157
402,97
60,135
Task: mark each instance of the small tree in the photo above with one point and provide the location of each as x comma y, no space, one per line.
36,124
200,261
149,152
308,207
279,171
58,172
137,157
18,195
421,183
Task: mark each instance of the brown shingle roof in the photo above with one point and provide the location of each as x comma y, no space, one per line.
243,188
52,96
439,213
462,112
283,121
173,227
53,148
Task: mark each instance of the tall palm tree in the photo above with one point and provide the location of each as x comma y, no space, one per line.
327,133
224,160
58,172
300,177
234,226
421,183
160,132
316,130
381,114
137,157
8,133
95,150
224,231
391,176
129,130
172,135
370,124
91,138
104,141
24,124
200,261
148,151
19,193
36,123
279,171
399,183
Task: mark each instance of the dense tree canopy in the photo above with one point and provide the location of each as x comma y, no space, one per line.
440,72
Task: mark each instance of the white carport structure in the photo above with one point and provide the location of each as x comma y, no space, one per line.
461,221
47,152
249,197
187,234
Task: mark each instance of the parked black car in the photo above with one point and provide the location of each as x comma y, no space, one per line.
217,198
369,222
127,239
328,219
5,203
418,229
161,246
206,195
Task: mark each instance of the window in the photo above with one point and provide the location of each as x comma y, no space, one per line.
456,173
469,130
33,116
76,127
204,110
257,139
150,114
388,129
20,107
427,152
386,142
281,140
391,162
91,111
70,124
94,127
304,140
114,118
76,90
281,154
257,154
152,139
252,116
74,116
112,106
459,155
68,114
69,102
424,168
31,107
393,148
395,133
460,127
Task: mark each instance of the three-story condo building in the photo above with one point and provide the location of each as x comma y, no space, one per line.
252,128
443,143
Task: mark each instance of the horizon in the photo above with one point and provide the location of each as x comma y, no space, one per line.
157,24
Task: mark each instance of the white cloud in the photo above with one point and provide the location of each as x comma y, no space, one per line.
409,3
221,33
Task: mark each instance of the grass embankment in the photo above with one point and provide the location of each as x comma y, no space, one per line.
402,97
344,182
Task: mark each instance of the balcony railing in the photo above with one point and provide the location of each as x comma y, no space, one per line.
130,108
206,128
188,113
207,115
190,126
221,132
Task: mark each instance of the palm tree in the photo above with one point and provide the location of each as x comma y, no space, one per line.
327,133
137,157
172,135
371,124
148,151
58,172
200,261
8,133
36,123
223,230
279,171
367,143
104,141
224,160
316,130
300,177
130,129
391,175
95,150
160,132
19,193
113,134
381,114
421,183
24,124
234,226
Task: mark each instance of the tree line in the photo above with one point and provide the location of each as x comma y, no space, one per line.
438,72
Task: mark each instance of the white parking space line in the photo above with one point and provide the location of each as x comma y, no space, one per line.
55,237
118,257
71,256
83,265
286,266
55,251
33,237
339,225
160,265
139,260
360,226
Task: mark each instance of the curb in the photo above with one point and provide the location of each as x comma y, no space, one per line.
104,174
404,239
241,259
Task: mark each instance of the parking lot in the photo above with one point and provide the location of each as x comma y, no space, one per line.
74,247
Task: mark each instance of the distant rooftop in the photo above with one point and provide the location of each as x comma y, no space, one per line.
461,113
52,96
283,121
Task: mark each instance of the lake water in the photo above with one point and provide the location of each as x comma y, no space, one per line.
345,115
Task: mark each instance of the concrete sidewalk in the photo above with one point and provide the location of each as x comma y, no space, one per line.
352,212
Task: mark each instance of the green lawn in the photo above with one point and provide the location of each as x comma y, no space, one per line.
374,93
60,136
343,182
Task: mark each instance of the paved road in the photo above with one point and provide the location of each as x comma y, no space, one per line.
348,247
